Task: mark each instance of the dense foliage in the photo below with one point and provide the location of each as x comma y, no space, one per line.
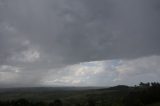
143,94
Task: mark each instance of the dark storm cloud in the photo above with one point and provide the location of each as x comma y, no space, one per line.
42,34
87,30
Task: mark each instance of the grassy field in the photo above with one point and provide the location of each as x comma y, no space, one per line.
71,96
155,104
50,95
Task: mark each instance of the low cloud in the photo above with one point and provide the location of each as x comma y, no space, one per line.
106,73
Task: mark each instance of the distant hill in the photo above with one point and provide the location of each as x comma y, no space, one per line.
119,87
46,89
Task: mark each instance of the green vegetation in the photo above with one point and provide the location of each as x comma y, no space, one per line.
146,94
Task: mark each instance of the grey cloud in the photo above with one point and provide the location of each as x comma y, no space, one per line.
86,30
144,69
66,32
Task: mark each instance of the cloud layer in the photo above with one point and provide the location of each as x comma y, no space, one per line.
106,73
40,35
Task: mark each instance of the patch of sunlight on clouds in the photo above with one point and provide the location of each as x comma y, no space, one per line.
83,74
8,73
106,73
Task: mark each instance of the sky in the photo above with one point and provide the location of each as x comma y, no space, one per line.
79,42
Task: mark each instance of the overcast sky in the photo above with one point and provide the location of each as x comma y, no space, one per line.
79,42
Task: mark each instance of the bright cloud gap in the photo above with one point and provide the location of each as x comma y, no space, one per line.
106,73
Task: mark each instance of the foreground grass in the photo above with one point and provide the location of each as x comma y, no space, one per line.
155,104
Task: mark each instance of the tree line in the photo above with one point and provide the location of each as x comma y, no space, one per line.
145,93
